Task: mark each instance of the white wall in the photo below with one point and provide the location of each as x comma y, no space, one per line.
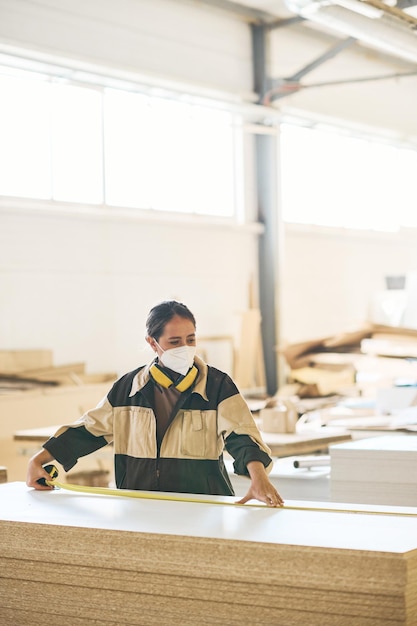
83,286
330,277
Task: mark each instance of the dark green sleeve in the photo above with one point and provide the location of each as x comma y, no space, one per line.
73,444
243,449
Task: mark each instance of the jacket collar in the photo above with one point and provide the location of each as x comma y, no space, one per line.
200,387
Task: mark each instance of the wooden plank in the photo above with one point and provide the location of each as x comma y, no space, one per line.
249,368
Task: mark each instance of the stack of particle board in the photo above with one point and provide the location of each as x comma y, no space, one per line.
78,559
377,470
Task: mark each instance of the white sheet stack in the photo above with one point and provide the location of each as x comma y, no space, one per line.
378,470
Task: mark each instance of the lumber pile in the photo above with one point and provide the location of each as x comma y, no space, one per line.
79,559
364,359
21,370
375,470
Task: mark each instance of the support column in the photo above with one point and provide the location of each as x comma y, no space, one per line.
266,158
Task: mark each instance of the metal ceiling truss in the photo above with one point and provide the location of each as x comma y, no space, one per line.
262,23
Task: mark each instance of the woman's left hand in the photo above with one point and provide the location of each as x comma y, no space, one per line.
261,487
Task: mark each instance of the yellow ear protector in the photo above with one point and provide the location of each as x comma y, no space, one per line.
183,383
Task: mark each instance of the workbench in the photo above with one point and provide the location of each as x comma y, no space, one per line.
289,444
76,559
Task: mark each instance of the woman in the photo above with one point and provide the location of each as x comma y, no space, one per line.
169,422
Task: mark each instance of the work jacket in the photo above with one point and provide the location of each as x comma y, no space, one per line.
209,417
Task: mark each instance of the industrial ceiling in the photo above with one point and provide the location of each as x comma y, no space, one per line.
355,60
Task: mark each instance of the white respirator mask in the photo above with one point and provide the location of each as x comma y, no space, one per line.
178,359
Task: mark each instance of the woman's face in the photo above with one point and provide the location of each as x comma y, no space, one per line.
178,332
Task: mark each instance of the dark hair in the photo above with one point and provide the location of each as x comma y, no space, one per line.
162,313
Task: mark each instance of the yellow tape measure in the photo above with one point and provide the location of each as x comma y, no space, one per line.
158,495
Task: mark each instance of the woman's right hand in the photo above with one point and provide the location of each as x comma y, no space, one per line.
36,471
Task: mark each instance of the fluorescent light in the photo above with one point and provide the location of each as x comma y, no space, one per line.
387,33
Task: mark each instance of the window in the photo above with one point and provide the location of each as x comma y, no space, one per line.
76,144
99,145
167,155
338,180
25,152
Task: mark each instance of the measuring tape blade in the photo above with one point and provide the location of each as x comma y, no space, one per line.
144,495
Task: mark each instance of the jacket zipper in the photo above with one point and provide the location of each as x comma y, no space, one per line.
174,412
